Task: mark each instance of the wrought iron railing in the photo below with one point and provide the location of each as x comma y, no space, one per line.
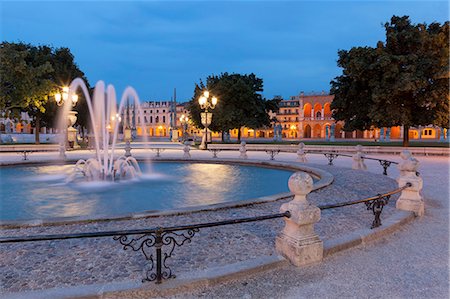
156,268
374,203
333,155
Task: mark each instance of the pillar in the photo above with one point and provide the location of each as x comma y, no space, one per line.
410,199
298,242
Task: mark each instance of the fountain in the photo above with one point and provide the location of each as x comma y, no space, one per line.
102,112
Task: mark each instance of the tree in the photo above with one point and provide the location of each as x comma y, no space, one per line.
30,76
404,81
240,102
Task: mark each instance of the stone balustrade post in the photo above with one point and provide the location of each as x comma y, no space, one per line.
358,159
410,199
301,154
298,242
186,151
243,150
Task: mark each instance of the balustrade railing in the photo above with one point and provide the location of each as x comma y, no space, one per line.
158,237
374,203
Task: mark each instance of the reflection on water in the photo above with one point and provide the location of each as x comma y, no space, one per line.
40,192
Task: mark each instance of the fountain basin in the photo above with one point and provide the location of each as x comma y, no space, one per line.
33,195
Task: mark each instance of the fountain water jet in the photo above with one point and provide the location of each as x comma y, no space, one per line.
102,110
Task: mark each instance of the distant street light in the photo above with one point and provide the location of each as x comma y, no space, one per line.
184,123
206,103
71,132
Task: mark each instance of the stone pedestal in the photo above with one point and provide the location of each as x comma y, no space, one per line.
358,159
298,241
301,154
243,150
410,198
186,150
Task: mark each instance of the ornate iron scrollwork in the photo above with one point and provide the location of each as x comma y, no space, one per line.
330,157
385,165
272,153
377,206
157,239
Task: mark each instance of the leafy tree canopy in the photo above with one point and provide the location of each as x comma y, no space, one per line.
240,103
403,81
31,75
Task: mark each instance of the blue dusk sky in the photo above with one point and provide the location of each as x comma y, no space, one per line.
156,46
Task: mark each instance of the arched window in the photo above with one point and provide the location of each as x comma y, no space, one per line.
157,119
164,119
151,119
318,114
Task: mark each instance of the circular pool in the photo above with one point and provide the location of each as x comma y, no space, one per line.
40,192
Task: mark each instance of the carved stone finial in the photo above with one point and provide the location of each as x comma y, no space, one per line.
300,183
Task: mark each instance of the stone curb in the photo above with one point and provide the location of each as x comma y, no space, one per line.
365,235
208,277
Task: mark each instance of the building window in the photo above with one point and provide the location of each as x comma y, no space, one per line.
151,119
164,111
157,119
164,119
427,132
318,114
151,111
157,111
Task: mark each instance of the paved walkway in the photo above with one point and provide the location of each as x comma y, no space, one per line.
410,263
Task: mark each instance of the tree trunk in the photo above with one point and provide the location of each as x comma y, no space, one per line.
37,128
405,136
239,135
221,133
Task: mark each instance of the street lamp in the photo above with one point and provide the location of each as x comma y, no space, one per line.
206,103
61,98
184,121
71,132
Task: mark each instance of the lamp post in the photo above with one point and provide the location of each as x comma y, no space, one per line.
184,122
71,132
206,103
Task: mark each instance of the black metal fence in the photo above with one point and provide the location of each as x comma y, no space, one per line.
374,203
156,269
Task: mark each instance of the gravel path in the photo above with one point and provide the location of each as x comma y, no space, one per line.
42,265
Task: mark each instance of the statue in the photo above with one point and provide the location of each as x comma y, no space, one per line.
243,150
277,132
301,154
358,159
